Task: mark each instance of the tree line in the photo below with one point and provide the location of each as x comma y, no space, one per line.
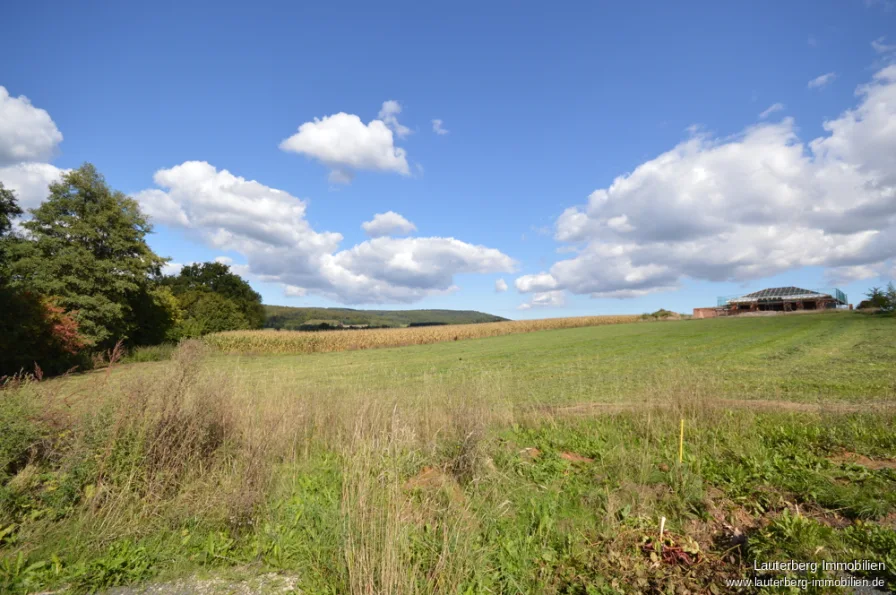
77,277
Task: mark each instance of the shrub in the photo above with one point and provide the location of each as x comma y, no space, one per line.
661,314
882,299
150,353
22,431
37,331
207,312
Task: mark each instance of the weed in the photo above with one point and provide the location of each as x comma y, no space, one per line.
150,353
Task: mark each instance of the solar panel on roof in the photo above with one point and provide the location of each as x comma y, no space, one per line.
785,294
781,292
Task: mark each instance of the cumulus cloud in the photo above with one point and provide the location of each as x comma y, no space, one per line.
27,133
777,107
28,137
822,80
500,286
30,181
733,209
539,282
270,229
545,299
389,115
345,144
388,223
438,127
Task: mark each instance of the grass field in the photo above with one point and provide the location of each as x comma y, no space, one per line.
292,342
524,463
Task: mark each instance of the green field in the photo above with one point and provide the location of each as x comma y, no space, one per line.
529,463
830,357
290,317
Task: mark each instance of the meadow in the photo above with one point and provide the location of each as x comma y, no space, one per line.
538,462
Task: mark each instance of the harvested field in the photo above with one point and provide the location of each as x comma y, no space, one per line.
270,341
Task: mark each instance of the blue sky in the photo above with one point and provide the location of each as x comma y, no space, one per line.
183,104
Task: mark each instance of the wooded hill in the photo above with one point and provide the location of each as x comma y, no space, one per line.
290,318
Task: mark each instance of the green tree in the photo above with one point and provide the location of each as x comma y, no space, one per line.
207,312
216,277
891,297
36,332
157,316
33,329
88,251
9,209
877,298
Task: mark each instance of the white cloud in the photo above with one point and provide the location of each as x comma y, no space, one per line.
882,48
388,223
777,107
340,176
822,80
500,286
173,268
269,228
230,212
28,136
30,181
545,299
539,282
344,143
438,127
161,208
740,208
27,133
389,115
848,274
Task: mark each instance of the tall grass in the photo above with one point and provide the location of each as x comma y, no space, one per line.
271,341
391,489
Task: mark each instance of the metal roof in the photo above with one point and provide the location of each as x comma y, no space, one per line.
776,294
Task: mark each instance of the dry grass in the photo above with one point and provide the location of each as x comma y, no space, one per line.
367,482
271,341
153,451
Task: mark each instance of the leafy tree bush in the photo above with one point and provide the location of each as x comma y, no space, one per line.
157,316
87,248
9,209
207,312
213,299
35,330
883,299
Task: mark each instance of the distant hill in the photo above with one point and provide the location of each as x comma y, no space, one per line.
290,318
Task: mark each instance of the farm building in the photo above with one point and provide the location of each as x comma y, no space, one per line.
786,299
775,299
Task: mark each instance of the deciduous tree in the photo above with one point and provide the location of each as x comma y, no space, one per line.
216,277
88,251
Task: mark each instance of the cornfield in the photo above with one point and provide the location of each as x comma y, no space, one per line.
272,341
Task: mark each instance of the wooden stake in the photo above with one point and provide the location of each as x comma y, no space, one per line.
681,443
